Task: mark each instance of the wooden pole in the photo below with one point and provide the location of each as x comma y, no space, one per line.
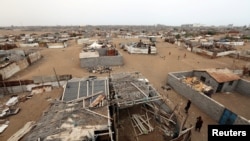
88,88
84,98
139,89
173,111
5,88
78,91
92,87
57,78
98,114
20,84
136,137
183,124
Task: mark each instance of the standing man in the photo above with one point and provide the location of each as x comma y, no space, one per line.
188,106
198,123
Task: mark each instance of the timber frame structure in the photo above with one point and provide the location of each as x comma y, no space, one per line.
96,108
131,89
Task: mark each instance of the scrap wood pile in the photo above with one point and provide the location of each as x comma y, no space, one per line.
153,118
8,109
95,100
23,131
166,121
98,101
196,84
99,69
141,122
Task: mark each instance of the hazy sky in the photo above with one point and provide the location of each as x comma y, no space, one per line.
124,12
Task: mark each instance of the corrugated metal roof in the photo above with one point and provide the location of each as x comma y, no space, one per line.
76,89
221,75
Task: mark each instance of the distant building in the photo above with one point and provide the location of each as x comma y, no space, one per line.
100,57
230,26
187,25
191,25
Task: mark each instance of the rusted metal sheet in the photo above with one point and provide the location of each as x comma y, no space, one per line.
7,46
43,79
15,83
64,77
221,75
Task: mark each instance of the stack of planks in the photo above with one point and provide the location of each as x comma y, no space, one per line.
141,124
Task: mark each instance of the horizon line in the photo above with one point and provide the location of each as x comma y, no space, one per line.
202,25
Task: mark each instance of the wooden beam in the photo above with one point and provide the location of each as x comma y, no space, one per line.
23,131
159,115
57,78
83,103
97,101
78,91
98,114
183,123
83,98
87,88
139,89
133,126
173,111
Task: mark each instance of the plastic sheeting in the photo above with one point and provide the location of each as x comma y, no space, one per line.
12,101
3,127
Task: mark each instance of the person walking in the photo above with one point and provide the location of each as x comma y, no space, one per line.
188,106
198,123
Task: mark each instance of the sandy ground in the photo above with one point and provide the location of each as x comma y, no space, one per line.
153,67
31,110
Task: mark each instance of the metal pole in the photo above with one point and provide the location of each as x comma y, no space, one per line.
87,88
